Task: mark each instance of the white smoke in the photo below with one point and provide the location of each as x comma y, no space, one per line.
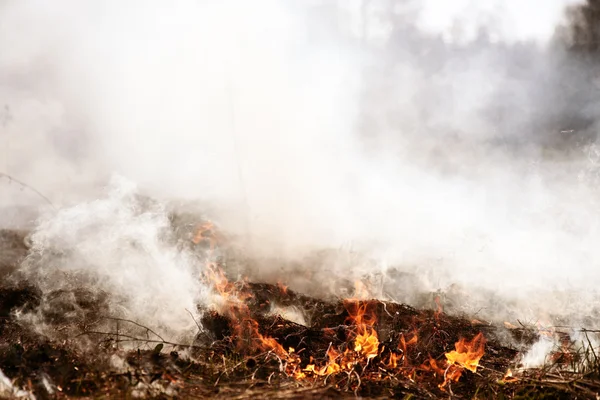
313,125
8,390
120,246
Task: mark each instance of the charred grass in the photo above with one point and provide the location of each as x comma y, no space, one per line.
91,354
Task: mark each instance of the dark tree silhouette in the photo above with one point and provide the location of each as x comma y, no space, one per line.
582,33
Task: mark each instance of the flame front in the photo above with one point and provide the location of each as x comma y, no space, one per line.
363,344
244,327
366,343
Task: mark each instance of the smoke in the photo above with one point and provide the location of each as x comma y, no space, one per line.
123,246
8,390
440,139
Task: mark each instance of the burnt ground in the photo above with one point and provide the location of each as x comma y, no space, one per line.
85,358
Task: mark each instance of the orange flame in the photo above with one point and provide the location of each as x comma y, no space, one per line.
331,367
367,344
450,373
361,316
283,288
440,309
403,345
364,341
393,361
468,354
508,377
360,290
432,365
245,328
205,231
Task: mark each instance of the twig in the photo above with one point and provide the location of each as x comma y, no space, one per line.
137,339
385,309
226,371
359,382
136,324
194,319
588,330
12,179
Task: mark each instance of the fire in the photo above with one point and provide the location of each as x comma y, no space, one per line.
465,356
205,231
393,361
360,290
331,367
508,377
440,309
216,277
363,344
245,328
368,344
249,338
545,329
468,354
283,288
403,345
366,340
450,373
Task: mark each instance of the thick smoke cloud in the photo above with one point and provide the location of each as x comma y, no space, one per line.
407,132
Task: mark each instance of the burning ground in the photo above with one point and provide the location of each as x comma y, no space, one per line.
255,340
440,152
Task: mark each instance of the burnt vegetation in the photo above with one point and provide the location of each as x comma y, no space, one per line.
349,347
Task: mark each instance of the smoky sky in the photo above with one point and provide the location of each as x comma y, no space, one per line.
454,141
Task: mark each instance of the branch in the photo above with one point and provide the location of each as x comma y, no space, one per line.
23,184
135,323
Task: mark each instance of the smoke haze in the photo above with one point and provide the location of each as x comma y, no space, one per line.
453,141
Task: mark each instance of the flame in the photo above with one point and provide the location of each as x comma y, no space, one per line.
360,290
545,329
439,310
403,345
361,316
331,367
450,372
468,354
392,362
432,365
215,276
250,339
363,343
244,327
329,331
564,355
205,231
283,288
508,377
367,343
